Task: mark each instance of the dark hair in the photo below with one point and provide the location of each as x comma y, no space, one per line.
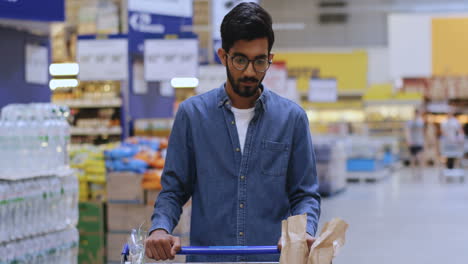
247,21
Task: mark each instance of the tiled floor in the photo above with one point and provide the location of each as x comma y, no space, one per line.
403,220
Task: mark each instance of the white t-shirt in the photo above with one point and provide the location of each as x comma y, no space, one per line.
450,129
416,131
243,118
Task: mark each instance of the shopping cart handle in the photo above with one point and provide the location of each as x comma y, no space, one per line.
226,250
124,254
229,250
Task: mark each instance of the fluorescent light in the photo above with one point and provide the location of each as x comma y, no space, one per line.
62,83
184,82
64,69
289,26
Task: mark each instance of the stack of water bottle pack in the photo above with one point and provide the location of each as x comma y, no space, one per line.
33,140
59,247
37,206
38,193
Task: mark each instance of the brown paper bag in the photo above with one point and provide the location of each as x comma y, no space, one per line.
326,247
293,239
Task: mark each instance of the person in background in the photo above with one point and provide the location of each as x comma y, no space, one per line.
431,148
415,141
241,152
453,135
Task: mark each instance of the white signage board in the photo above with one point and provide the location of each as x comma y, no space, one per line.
410,45
36,64
170,58
276,77
291,92
323,90
211,77
178,8
103,59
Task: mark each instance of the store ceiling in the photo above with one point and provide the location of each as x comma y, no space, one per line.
365,23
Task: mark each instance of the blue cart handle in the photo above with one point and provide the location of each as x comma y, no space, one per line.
229,250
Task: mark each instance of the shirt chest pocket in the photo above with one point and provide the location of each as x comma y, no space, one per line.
274,158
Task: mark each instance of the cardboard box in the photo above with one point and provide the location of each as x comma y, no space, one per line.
92,249
115,242
91,218
124,187
151,196
125,217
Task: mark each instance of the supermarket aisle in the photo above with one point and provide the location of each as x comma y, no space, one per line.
402,220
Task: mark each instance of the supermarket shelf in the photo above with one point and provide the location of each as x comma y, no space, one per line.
60,172
84,103
79,131
392,102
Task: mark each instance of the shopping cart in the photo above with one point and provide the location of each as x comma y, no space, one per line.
226,250
452,150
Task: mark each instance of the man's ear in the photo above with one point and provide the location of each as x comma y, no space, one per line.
222,56
271,56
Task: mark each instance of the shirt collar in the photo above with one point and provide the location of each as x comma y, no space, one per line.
223,98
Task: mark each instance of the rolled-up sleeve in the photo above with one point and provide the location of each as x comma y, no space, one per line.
302,183
178,175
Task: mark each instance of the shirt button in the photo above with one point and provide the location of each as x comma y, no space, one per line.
237,149
242,177
241,205
232,122
241,233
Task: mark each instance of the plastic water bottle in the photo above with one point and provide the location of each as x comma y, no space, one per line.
65,134
3,141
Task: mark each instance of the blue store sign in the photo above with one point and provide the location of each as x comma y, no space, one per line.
154,19
143,26
49,10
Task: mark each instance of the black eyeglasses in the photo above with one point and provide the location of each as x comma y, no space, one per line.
241,63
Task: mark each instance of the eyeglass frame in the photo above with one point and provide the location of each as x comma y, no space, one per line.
248,62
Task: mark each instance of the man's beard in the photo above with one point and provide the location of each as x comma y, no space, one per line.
248,91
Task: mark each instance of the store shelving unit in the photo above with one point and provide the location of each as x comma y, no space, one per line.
95,111
83,103
111,131
331,164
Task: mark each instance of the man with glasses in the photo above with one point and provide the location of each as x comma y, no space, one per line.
241,152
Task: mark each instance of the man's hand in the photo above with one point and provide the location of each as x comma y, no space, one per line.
162,246
310,241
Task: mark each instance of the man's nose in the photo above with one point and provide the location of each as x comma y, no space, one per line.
250,71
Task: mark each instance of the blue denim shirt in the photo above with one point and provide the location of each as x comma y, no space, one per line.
238,199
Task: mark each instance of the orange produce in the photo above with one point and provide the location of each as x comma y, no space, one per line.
152,180
158,163
163,144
